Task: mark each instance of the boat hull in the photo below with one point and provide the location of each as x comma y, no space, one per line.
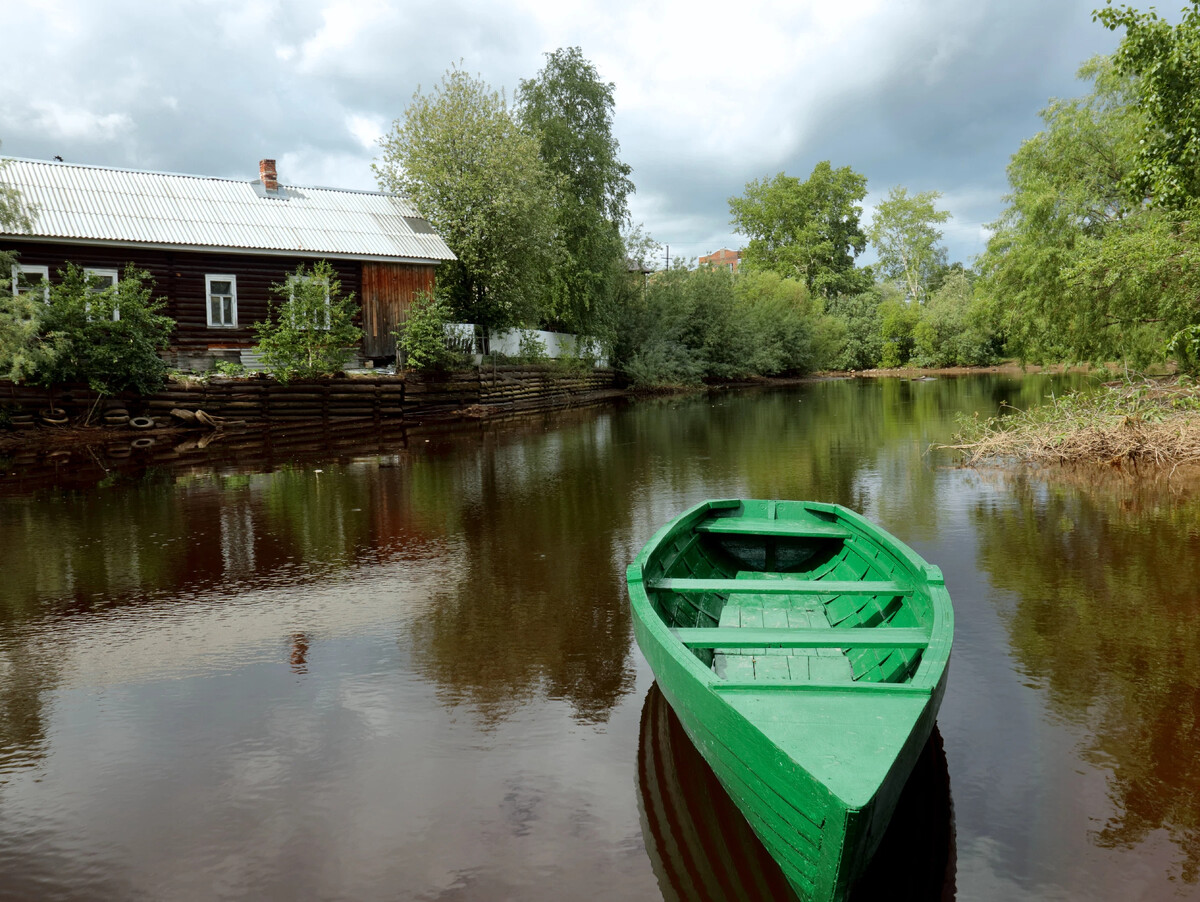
776,747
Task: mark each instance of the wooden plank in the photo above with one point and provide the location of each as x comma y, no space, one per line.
798,665
762,526
775,618
772,668
785,586
734,667
749,637
828,670
856,687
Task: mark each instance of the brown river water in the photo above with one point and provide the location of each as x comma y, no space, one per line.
400,666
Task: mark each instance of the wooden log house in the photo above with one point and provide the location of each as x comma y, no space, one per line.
214,247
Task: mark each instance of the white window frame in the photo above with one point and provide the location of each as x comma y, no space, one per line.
291,280
43,271
208,296
102,273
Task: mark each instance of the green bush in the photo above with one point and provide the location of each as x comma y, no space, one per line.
860,321
531,348
110,338
26,348
955,327
898,319
422,337
310,329
777,323
708,324
229,368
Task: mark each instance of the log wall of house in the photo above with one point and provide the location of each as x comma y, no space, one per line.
388,290
179,276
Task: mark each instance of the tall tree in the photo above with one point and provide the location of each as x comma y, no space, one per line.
806,230
1081,269
1165,61
570,110
468,167
906,235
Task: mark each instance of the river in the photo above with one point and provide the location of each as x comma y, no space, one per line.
401,666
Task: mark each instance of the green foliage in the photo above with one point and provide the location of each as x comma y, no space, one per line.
776,315
1185,345
26,348
1079,270
531,348
310,328
861,327
956,327
806,230
570,111
229,368
1165,61
422,337
471,170
109,338
905,234
16,215
709,324
897,322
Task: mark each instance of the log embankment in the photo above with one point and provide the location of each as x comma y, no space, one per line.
73,413
1146,423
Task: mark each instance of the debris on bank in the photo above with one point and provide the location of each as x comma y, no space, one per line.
1146,422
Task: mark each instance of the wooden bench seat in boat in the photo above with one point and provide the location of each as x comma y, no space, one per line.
759,638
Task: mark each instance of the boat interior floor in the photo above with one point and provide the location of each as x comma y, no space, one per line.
747,609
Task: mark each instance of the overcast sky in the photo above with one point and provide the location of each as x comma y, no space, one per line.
930,94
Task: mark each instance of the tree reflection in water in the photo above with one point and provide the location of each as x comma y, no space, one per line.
1104,576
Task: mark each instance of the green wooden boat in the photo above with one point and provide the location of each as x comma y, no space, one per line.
804,650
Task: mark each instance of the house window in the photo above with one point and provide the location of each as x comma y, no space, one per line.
101,280
222,301
26,279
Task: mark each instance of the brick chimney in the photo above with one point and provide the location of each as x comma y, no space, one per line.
266,172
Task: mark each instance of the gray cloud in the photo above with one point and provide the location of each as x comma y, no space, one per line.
932,94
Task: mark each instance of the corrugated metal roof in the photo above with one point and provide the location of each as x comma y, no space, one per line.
82,203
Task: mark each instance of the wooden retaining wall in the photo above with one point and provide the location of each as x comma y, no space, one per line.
377,398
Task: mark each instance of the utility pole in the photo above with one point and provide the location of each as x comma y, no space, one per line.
668,256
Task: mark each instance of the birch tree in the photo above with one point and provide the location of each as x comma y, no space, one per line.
906,236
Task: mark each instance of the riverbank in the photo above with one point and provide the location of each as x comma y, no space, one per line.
1150,422
259,401
73,415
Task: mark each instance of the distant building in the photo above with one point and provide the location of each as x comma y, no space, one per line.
723,258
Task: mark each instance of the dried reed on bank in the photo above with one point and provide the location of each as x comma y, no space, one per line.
1147,422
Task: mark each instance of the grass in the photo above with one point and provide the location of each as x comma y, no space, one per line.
1153,422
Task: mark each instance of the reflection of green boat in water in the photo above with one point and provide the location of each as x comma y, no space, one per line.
702,849
804,650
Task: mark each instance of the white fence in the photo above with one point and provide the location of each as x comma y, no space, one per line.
556,344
